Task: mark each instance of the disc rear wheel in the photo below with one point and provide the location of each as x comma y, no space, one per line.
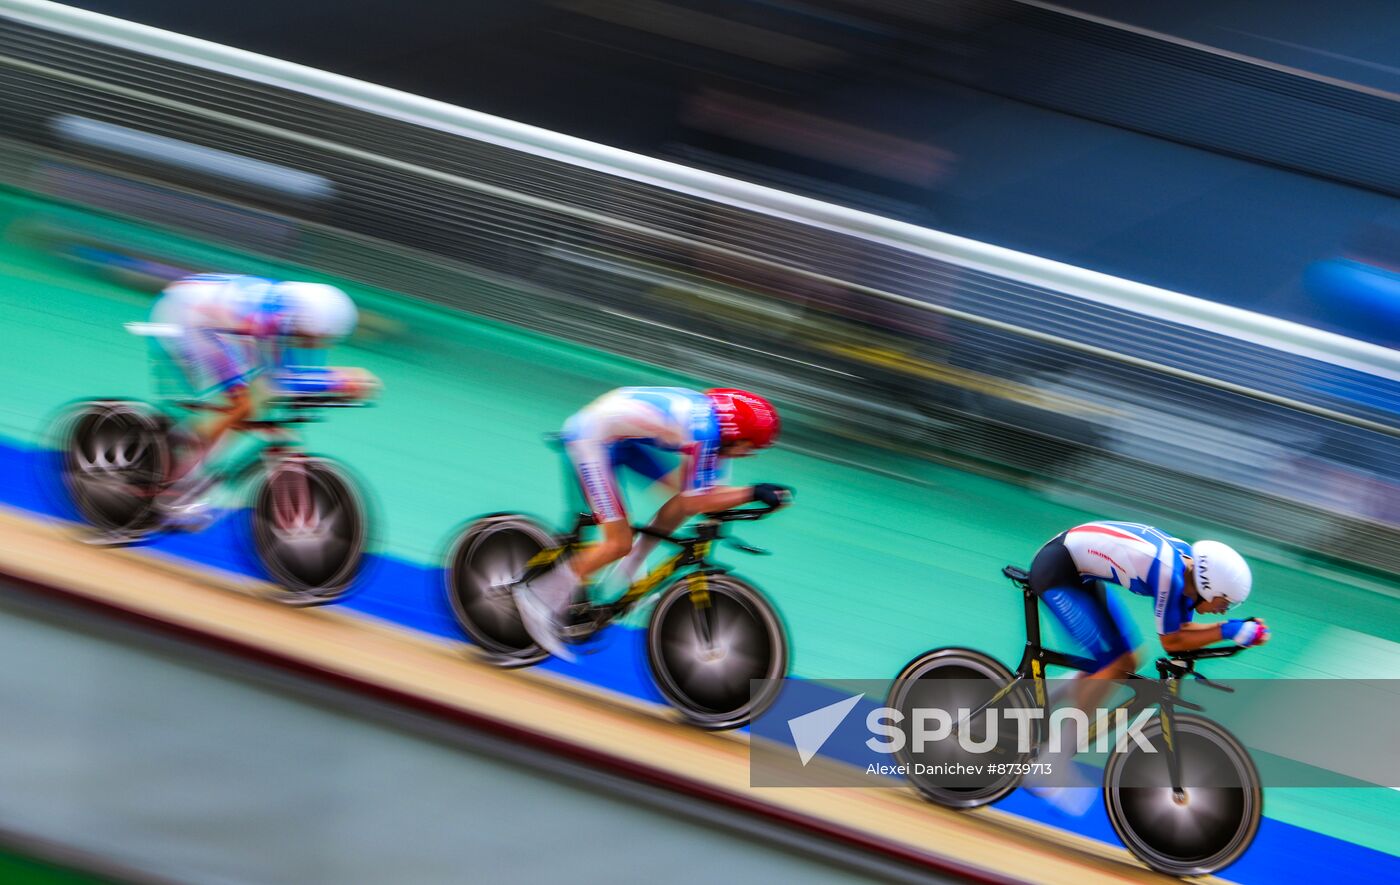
944,771
115,459
484,562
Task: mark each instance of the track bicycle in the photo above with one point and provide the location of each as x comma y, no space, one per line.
1190,807
309,525
709,635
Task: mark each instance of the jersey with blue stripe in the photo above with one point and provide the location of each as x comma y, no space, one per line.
1145,560
228,303
232,328
672,419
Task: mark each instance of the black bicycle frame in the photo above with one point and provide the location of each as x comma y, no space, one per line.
1163,693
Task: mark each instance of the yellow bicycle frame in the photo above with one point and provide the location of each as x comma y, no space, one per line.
699,590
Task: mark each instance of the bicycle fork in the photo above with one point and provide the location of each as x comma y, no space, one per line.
701,615
1164,711
294,509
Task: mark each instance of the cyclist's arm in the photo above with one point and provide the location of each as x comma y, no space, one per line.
681,507
726,497
708,501
1193,636
699,488
347,380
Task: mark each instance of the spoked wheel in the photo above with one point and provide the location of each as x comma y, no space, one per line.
709,636
116,457
1205,827
954,679
309,529
485,560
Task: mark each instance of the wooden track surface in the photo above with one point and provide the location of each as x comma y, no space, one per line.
554,713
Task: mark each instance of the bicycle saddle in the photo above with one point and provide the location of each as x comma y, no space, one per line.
1017,575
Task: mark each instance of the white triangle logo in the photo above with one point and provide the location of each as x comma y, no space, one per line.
811,730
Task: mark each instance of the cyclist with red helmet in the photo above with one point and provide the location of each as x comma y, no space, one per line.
635,428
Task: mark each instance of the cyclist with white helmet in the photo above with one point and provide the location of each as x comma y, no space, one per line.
1069,575
635,428
230,334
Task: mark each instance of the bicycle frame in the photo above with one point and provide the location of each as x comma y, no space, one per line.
1163,693
241,461
693,552
271,436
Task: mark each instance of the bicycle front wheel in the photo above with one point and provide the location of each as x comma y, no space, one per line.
1205,827
309,529
709,638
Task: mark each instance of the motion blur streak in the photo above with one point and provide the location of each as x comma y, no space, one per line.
190,158
872,330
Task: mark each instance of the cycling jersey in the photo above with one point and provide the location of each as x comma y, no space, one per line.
1069,571
627,427
230,327
1145,560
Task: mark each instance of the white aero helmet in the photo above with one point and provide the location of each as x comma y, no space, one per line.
1220,571
318,310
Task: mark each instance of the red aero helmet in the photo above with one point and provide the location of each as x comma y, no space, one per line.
745,416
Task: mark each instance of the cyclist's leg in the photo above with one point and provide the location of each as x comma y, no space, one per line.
593,466
1058,782
649,463
218,373
1118,660
1094,617
219,377
1095,620
1097,623
543,602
